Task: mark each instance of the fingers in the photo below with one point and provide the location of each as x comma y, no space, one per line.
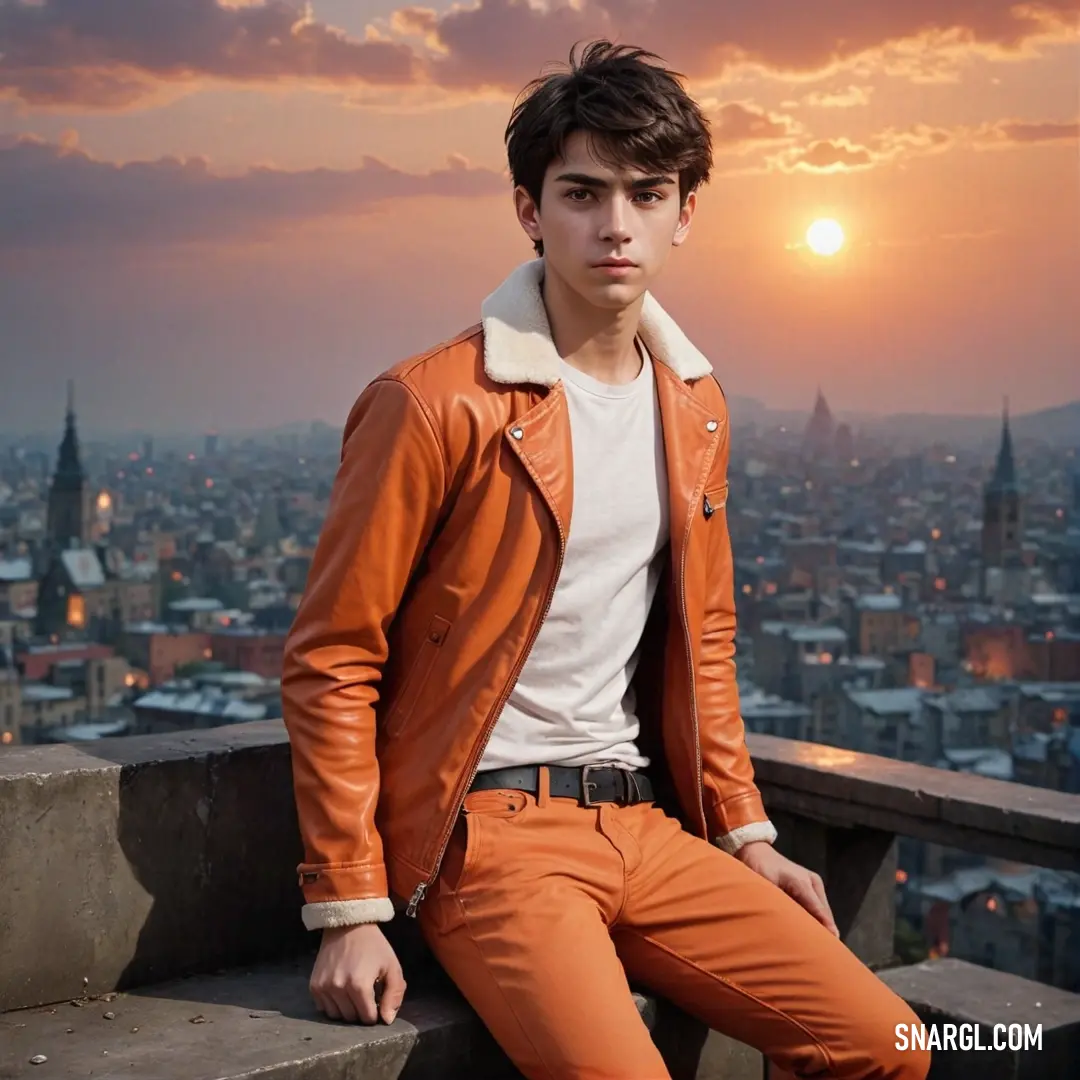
348,999
802,891
344,997
362,994
325,1004
393,993
819,889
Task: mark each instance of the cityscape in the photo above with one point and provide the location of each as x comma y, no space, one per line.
917,606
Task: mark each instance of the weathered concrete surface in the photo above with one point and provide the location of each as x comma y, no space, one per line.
135,860
261,1023
858,867
973,813
955,992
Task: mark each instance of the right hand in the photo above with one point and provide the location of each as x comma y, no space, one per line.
351,961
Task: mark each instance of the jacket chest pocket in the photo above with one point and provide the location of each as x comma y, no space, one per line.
714,501
417,678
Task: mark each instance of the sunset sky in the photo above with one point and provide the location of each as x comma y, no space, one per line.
227,213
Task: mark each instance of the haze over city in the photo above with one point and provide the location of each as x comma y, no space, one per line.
238,212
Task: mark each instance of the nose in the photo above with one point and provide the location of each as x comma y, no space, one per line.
614,227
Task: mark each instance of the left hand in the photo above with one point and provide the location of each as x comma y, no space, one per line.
800,884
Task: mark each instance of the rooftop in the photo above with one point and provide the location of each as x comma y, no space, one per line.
13,570
878,602
35,691
902,701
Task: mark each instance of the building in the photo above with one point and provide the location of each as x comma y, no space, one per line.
79,594
781,648
18,589
888,722
209,699
820,430
159,649
78,598
70,509
878,624
1003,578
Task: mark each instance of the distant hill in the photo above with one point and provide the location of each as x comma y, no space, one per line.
1059,426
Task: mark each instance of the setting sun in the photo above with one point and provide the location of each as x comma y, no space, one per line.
825,237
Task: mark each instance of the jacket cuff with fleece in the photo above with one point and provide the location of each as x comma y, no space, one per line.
747,834
740,820
344,894
325,914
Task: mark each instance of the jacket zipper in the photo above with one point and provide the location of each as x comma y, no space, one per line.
693,682
474,765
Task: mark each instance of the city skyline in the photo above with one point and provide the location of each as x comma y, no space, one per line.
234,218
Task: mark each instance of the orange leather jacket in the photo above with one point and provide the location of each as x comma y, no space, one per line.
433,572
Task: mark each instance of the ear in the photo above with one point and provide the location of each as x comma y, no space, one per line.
686,215
528,214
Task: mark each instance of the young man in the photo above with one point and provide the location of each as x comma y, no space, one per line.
510,687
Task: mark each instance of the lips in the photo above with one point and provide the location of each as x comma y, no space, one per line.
615,262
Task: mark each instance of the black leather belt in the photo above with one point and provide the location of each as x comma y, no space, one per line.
589,784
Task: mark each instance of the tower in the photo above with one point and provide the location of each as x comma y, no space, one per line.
820,429
1002,527
68,516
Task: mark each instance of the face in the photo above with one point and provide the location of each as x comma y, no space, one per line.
591,214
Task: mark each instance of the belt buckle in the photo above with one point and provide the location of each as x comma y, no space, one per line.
587,785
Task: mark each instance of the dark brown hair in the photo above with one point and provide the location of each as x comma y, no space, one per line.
637,115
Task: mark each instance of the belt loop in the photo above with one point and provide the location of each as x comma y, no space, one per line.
543,786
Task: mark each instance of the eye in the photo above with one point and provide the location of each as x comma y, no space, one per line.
656,196
577,191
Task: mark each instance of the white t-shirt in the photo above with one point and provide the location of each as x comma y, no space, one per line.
572,703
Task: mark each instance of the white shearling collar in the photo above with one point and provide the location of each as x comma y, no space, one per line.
518,347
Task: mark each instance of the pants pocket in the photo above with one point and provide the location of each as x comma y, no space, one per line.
479,812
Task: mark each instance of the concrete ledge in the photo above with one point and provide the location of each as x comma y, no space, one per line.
974,813
134,860
261,1023
955,992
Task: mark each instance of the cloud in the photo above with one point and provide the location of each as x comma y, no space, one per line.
57,195
493,42
1017,132
827,155
842,155
112,54
738,126
849,98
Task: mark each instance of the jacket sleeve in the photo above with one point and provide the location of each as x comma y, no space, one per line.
383,507
737,814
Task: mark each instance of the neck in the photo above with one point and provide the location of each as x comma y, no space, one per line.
597,341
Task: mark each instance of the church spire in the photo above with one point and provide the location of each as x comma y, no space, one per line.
69,470
1004,478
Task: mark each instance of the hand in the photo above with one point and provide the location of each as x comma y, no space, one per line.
351,960
799,883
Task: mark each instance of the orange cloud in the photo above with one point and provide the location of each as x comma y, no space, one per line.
827,155
842,155
739,126
849,98
109,56
1013,132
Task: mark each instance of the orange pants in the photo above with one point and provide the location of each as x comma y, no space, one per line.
543,909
